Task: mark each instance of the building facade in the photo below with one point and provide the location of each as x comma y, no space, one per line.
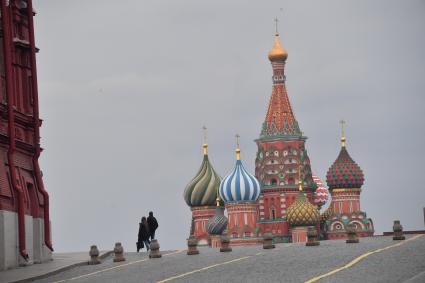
240,191
25,235
281,151
290,197
200,195
345,179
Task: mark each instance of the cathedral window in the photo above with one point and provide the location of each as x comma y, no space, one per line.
273,182
276,153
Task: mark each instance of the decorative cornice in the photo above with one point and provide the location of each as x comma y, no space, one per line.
205,207
346,190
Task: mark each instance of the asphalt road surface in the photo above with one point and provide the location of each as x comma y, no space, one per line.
377,259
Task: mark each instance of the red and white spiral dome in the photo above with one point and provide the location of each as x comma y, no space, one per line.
321,195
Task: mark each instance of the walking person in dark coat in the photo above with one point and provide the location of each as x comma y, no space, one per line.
144,234
153,225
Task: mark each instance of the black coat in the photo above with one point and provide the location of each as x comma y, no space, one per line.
143,233
153,224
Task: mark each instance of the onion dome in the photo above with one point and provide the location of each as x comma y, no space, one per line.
302,212
239,185
344,172
321,195
277,53
202,189
327,213
218,223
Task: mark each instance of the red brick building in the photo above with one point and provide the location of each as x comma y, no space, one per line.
281,151
289,198
345,179
24,203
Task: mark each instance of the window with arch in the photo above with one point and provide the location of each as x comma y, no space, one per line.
273,213
273,182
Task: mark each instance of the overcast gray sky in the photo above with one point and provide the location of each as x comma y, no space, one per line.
126,86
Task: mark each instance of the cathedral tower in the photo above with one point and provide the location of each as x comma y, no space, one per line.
200,195
345,179
24,204
240,190
281,150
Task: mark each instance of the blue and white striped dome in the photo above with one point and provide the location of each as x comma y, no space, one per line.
239,186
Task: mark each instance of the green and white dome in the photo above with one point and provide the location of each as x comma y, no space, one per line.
202,189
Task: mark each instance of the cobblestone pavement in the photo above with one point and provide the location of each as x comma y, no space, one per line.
286,263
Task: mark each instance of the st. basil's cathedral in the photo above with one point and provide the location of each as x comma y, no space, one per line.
284,198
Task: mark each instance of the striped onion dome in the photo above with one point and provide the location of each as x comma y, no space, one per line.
202,189
321,195
302,212
239,185
344,172
218,223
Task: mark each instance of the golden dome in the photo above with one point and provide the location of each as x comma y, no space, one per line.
277,53
302,212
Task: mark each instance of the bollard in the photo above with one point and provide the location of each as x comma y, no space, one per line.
268,241
312,237
118,252
94,255
154,249
192,246
352,237
225,241
398,231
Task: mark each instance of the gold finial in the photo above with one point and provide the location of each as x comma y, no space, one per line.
217,199
205,146
277,53
342,133
300,181
238,150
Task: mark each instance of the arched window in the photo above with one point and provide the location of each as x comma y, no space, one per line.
273,182
273,213
291,181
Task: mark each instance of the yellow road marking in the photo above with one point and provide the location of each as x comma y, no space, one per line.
202,269
359,258
112,268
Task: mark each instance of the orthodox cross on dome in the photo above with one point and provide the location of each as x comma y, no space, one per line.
204,129
205,146
300,181
342,133
238,150
276,22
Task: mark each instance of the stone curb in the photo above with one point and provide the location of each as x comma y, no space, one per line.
61,269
